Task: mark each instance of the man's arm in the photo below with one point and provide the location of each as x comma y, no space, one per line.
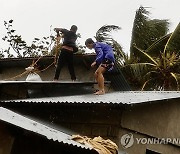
57,29
60,30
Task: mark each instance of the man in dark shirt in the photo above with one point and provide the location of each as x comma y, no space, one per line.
67,50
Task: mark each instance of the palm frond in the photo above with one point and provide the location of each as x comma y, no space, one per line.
138,70
148,56
146,31
103,33
158,46
173,43
120,55
145,83
176,79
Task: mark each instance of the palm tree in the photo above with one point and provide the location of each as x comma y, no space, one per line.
121,57
103,35
160,72
145,32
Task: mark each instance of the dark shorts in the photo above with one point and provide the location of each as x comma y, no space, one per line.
108,64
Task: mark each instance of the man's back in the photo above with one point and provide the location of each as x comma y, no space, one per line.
69,38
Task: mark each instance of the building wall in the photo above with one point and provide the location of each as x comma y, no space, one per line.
14,67
141,148
6,140
91,121
14,140
158,119
20,91
145,120
16,72
82,73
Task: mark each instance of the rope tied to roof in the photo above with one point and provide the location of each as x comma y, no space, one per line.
99,144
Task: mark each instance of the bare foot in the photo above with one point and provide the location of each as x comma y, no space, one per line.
55,80
100,92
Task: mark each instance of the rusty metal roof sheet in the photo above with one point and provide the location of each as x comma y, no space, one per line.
127,97
36,127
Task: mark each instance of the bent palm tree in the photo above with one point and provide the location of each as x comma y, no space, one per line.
162,72
145,32
103,35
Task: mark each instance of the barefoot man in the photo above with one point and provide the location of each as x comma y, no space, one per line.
104,61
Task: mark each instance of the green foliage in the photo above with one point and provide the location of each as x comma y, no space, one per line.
160,72
19,46
120,55
39,47
103,34
145,32
173,43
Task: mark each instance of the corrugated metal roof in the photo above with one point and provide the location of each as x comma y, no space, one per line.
37,83
36,127
128,97
118,81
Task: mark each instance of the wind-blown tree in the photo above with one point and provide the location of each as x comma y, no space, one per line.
104,35
145,32
121,57
39,47
159,72
20,47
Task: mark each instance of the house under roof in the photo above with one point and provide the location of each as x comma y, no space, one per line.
13,76
31,125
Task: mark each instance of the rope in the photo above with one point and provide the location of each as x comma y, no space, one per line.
57,42
20,75
45,68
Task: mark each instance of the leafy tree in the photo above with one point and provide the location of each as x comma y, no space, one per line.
39,47
149,36
121,57
20,47
159,72
104,35
145,32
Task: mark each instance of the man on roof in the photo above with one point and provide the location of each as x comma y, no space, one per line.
104,60
67,50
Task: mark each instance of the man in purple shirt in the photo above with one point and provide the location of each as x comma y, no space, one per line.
104,61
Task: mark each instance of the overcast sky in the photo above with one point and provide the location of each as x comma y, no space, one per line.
33,18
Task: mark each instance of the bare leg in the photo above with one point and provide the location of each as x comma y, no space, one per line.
100,79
